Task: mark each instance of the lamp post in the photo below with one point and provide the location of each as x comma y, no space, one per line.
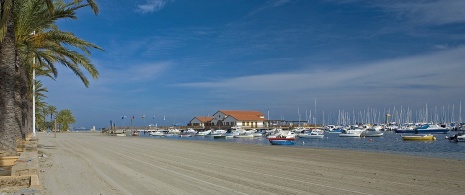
34,93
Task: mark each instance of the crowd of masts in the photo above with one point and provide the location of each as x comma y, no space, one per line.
445,114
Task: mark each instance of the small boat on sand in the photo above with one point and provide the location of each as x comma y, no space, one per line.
419,137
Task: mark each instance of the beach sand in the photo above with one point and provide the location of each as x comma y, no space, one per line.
95,163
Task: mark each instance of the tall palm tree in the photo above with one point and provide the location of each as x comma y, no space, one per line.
12,69
8,124
64,119
52,110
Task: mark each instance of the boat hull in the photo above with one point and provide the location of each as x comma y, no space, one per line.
282,142
428,137
427,131
309,136
404,131
349,135
244,136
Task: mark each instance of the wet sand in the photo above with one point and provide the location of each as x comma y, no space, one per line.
95,163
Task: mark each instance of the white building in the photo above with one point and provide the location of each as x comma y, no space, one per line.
201,121
240,118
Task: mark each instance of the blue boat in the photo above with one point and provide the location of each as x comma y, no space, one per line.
405,130
430,128
282,142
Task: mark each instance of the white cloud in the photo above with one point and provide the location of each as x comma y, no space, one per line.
152,6
430,75
429,12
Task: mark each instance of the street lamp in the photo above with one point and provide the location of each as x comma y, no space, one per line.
34,93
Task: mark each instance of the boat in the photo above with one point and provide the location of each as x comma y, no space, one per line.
203,133
282,142
405,130
215,133
351,133
339,130
372,133
431,128
186,135
459,137
313,134
135,133
219,136
120,134
244,136
419,137
288,139
157,133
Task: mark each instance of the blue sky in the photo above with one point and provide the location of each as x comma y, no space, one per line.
185,58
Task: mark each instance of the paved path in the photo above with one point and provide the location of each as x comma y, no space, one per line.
94,163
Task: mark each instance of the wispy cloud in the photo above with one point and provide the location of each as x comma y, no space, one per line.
421,12
152,6
396,78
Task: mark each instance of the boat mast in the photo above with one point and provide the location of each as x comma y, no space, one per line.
315,114
460,112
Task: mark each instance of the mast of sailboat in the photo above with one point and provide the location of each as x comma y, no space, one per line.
460,112
314,122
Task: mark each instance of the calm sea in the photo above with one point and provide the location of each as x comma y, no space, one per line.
390,142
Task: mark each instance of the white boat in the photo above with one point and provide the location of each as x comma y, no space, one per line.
459,137
314,134
121,134
215,133
203,133
282,134
190,131
372,132
431,128
351,133
244,136
157,133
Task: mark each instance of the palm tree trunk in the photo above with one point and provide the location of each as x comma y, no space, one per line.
8,120
23,101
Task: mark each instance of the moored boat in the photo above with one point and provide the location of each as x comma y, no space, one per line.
459,137
431,128
314,134
219,136
419,137
244,136
371,132
282,142
351,133
157,133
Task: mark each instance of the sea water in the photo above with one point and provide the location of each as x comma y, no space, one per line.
390,142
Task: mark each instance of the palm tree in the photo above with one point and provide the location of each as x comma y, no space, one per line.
52,110
8,124
64,119
12,69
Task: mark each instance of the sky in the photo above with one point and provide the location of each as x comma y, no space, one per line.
172,60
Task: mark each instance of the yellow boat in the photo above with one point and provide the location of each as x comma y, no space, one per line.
421,137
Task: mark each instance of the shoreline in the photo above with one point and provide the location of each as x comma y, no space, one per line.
127,165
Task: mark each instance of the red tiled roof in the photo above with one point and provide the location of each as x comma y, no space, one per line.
244,115
204,119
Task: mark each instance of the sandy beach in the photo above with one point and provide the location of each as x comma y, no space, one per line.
95,163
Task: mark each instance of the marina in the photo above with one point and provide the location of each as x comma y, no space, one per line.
390,142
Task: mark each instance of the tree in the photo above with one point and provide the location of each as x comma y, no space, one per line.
8,67
64,119
15,75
